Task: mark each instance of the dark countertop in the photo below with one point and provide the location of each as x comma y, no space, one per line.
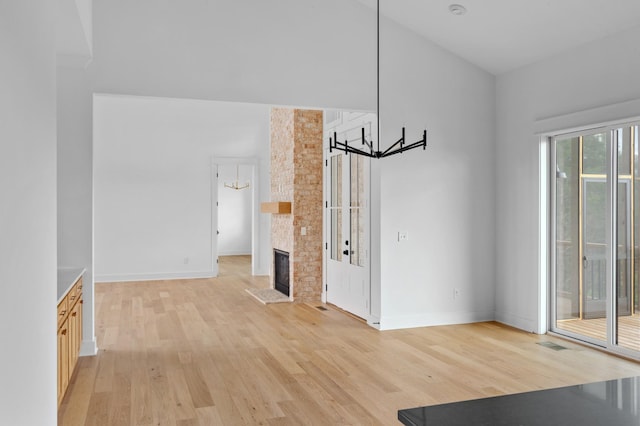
613,402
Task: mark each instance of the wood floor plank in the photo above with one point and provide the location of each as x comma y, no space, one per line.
197,387
185,407
204,352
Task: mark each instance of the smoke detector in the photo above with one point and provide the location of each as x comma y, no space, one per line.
457,9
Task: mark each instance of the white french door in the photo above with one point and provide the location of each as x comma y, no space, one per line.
347,275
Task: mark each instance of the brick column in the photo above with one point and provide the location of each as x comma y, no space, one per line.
296,176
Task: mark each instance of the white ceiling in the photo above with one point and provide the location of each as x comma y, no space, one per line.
502,35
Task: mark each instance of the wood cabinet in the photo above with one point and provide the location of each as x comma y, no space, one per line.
69,335
63,360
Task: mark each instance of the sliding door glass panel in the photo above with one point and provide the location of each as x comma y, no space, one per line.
626,327
596,223
581,210
635,216
567,240
594,154
594,254
593,228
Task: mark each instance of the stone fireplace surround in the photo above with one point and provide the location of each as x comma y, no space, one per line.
296,176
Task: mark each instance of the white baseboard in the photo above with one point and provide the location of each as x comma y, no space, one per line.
88,348
374,321
109,278
426,320
525,324
234,253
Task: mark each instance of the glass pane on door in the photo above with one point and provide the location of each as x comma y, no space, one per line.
356,210
335,207
594,254
567,238
581,208
596,232
627,324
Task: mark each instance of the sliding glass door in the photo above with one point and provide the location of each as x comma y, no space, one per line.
595,204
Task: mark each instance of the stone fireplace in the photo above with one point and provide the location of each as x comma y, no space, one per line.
296,177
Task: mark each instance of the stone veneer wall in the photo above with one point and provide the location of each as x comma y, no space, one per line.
296,176
282,180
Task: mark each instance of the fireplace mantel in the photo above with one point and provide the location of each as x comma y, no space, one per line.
276,207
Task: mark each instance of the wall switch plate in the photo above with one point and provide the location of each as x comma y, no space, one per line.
303,230
403,236
456,293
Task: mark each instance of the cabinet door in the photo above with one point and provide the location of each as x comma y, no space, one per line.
79,328
74,325
63,359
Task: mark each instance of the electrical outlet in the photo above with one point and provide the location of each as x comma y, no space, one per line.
456,293
303,230
403,236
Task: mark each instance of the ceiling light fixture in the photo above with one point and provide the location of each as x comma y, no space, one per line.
398,147
457,9
236,185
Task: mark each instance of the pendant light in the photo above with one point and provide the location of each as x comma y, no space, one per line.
236,185
399,146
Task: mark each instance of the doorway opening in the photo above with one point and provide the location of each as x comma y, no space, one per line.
235,203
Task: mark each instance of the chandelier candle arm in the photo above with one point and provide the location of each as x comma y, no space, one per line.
397,148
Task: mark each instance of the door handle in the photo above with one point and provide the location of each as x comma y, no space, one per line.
346,252
585,261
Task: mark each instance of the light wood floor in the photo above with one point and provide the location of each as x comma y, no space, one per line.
205,352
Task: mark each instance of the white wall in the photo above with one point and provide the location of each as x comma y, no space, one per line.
597,74
152,181
28,213
75,186
234,210
443,197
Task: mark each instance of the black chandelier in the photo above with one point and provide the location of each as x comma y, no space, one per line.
399,146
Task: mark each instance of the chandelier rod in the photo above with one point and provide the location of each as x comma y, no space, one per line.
378,72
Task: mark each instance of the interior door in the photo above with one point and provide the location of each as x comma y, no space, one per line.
347,222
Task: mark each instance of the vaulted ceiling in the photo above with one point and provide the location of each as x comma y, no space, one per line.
503,35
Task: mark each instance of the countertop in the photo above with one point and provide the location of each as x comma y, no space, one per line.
66,279
613,402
